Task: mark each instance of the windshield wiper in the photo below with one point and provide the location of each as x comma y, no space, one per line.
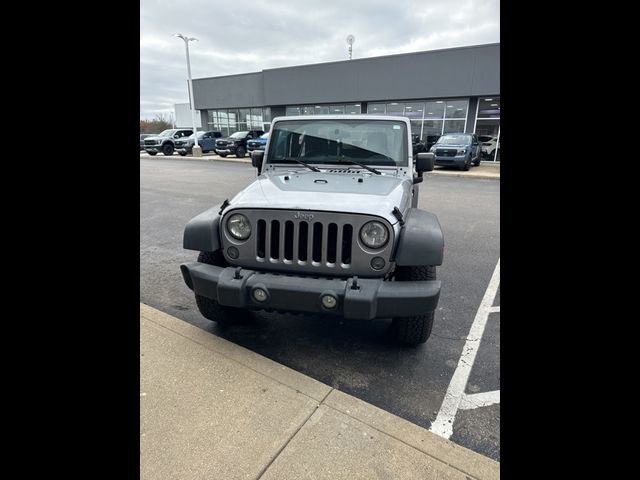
288,159
371,169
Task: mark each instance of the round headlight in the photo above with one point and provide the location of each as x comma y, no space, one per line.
374,234
238,225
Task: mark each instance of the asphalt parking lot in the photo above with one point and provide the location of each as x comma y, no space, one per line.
451,384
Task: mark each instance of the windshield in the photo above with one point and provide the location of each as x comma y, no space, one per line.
265,136
373,142
454,140
239,135
167,133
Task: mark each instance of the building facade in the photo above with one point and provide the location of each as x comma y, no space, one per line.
440,91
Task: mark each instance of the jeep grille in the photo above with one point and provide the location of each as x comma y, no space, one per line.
309,242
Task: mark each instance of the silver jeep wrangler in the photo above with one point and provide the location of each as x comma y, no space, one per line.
330,226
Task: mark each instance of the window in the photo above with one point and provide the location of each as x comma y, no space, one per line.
395,108
488,127
377,109
456,109
429,118
374,143
292,111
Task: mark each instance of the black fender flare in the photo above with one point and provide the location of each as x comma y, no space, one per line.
421,241
202,231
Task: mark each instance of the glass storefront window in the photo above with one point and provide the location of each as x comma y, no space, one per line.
434,109
432,127
355,108
395,108
453,126
307,111
292,111
244,115
377,108
489,107
456,109
414,110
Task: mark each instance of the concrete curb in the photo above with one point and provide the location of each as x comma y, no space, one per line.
444,173
333,408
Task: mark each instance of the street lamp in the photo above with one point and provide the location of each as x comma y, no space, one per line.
197,151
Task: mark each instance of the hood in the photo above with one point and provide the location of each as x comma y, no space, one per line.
156,137
227,139
325,191
452,146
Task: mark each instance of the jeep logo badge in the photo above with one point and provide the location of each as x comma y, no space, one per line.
303,216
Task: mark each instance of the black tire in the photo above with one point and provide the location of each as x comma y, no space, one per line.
240,152
167,149
414,330
153,154
209,308
477,161
465,167
223,155
182,154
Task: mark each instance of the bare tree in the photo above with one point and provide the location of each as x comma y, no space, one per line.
158,124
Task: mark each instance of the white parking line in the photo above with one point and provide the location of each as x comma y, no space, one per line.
476,400
495,309
443,424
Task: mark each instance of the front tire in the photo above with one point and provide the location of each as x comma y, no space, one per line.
223,155
153,154
167,149
417,329
240,152
465,166
182,154
209,308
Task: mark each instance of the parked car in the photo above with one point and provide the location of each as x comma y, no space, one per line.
143,136
458,150
258,143
165,141
487,145
236,144
417,145
206,141
330,226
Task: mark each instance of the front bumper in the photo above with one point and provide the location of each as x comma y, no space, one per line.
230,150
155,149
457,161
373,297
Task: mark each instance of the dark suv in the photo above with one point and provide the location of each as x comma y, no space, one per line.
457,150
236,144
165,142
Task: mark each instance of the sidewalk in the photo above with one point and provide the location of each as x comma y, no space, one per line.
212,409
486,170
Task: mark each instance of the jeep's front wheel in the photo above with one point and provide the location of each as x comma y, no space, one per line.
240,152
417,329
209,308
167,149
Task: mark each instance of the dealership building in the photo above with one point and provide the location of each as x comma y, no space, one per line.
440,91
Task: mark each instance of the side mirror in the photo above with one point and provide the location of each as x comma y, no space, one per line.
424,162
256,159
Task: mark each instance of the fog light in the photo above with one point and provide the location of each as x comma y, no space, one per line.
329,301
377,263
259,295
233,252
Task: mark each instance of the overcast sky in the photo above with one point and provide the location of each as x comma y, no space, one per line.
248,36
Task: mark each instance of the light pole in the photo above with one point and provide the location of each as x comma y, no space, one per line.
197,151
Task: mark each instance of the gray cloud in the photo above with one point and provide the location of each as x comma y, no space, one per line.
248,36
